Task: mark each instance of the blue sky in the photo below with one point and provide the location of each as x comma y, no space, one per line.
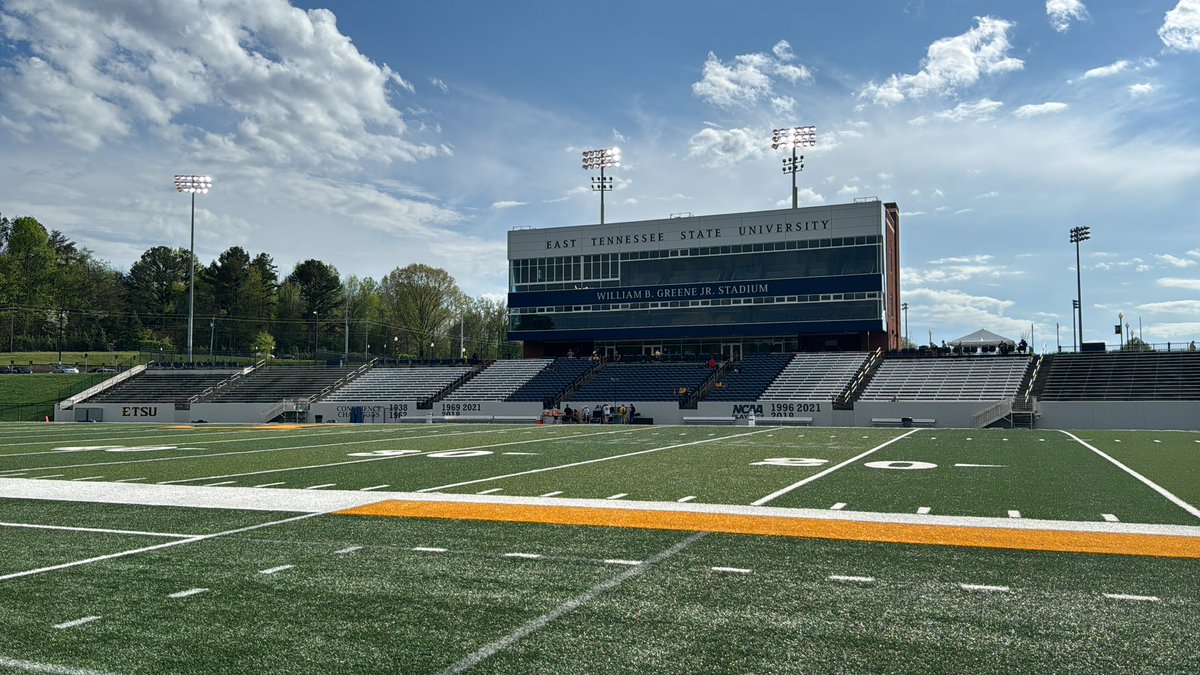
372,135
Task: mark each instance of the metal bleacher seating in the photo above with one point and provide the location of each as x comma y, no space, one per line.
550,383
618,382
160,387
1120,376
498,380
815,377
275,383
968,378
754,374
405,383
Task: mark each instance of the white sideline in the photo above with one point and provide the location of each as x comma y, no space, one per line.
1149,483
826,472
39,667
100,530
316,502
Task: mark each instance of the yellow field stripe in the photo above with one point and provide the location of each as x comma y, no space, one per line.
1166,546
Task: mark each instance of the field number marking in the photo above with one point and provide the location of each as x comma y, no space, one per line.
790,461
384,453
902,465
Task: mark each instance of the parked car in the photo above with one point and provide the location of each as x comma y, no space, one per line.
23,370
5,370
104,370
67,370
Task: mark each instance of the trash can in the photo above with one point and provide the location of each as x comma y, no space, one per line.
320,418
906,421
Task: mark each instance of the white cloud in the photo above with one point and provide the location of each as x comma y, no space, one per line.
1175,261
1062,12
848,190
975,111
1105,71
958,269
507,204
978,258
439,83
267,80
783,105
1033,110
1195,253
726,147
1142,88
748,78
1182,330
1180,30
1185,307
805,196
951,63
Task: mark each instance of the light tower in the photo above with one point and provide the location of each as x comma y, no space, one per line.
193,185
601,159
1078,234
795,137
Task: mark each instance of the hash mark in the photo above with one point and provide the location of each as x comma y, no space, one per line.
224,482
851,579
373,487
617,561
984,588
428,549
488,492
274,570
619,495
1014,514
686,499
552,494
732,570
530,556
348,549
189,592
923,510
838,506
88,478
282,482
1110,517
318,487
1135,598
76,622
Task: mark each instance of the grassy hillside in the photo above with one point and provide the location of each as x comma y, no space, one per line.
32,397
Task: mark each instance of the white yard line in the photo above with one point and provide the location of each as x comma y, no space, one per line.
850,579
128,480
145,549
348,549
732,570
88,478
276,570
487,651
1149,483
188,593
76,622
40,667
373,487
588,461
1134,598
983,588
826,472
99,530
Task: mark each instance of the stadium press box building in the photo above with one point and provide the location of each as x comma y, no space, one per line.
822,278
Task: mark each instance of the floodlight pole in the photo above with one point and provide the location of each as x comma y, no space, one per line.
601,159
1078,234
795,137
904,306
192,184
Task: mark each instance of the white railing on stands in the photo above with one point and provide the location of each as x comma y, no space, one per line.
996,411
867,368
1038,361
275,409
232,379
344,380
68,403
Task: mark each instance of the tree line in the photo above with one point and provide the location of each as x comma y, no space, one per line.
56,295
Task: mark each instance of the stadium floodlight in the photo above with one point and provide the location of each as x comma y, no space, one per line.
904,306
602,159
1078,234
795,137
192,185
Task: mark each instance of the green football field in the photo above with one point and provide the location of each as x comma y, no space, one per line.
452,548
